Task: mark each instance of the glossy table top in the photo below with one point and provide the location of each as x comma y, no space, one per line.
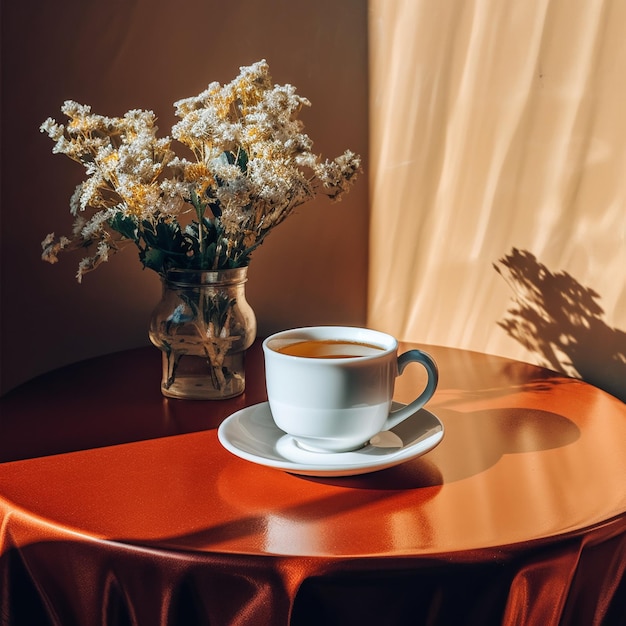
528,456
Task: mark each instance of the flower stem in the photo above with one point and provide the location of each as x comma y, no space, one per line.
200,208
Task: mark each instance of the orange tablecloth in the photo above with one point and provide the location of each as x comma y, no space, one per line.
118,506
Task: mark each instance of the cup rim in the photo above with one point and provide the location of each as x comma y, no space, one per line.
388,343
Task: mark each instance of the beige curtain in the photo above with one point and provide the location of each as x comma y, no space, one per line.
498,179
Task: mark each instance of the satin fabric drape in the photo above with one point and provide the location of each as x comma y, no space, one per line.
64,580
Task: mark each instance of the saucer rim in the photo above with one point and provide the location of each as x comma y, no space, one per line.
402,455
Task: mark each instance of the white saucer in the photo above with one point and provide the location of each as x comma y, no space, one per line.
252,435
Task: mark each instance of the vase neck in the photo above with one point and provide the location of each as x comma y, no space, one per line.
185,277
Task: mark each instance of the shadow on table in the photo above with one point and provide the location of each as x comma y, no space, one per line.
284,518
108,400
560,321
477,440
420,473
473,442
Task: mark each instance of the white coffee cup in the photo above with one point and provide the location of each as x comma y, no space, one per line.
331,387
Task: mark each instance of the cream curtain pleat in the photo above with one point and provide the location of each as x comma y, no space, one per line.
498,179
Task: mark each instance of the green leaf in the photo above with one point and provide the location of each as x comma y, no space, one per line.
242,160
126,226
153,259
216,208
209,254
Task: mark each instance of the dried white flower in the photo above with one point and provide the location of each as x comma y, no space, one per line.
253,164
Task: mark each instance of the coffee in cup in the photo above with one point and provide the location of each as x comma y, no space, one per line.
329,349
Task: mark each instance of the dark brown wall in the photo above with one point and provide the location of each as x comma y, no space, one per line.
120,55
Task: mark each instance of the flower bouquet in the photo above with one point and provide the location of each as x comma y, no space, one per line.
244,163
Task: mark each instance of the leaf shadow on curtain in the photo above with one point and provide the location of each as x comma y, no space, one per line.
559,320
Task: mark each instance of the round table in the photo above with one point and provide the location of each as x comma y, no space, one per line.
119,506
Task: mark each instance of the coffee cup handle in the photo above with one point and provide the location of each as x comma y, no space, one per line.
415,356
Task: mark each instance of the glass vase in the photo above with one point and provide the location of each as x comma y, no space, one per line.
203,325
